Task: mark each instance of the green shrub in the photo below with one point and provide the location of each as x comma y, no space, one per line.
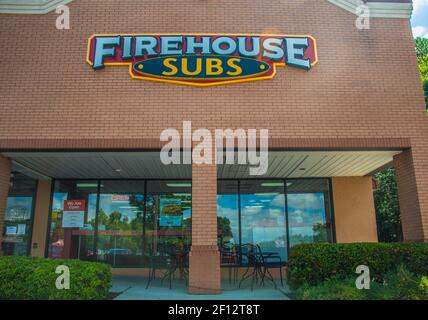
400,284
405,285
34,278
316,263
333,289
423,284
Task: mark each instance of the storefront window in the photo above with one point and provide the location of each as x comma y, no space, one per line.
120,222
72,220
19,215
309,211
228,213
169,215
124,222
257,212
263,215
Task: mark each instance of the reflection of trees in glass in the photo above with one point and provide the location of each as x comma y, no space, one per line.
320,232
152,239
187,223
117,221
224,229
278,242
129,227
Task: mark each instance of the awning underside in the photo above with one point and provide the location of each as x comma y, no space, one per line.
147,165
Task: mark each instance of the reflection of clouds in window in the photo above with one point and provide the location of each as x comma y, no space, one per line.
92,207
263,218
306,209
108,204
251,211
302,231
299,218
18,208
274,212
187,213
263,221
313,201
307,217
231,214
278,201
58,200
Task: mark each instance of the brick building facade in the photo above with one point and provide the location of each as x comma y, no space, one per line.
361,106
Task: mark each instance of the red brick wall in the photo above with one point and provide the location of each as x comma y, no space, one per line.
4,190
365,85
409,202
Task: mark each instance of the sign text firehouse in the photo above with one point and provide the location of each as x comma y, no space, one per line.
202,59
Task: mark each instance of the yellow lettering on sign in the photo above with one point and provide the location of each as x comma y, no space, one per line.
214,67
232,63
168,63
185,69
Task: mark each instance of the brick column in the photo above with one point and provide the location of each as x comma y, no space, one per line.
412,183
204,257
5,168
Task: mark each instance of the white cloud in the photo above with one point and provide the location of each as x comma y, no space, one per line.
420,31
419,5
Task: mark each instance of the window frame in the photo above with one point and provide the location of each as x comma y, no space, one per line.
327,200
33,210
99,182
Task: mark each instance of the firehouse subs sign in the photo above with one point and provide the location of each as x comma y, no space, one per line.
202,59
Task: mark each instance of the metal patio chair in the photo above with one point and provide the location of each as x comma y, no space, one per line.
270,260
229,258
161,260
252,259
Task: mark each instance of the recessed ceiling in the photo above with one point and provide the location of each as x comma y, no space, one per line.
147,165
303,164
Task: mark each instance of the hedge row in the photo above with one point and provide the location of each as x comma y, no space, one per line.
24,278
314,263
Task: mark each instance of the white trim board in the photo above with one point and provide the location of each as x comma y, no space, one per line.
30,6
378,9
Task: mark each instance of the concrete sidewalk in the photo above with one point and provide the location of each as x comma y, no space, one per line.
134,288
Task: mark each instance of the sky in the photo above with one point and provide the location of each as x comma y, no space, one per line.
420,18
